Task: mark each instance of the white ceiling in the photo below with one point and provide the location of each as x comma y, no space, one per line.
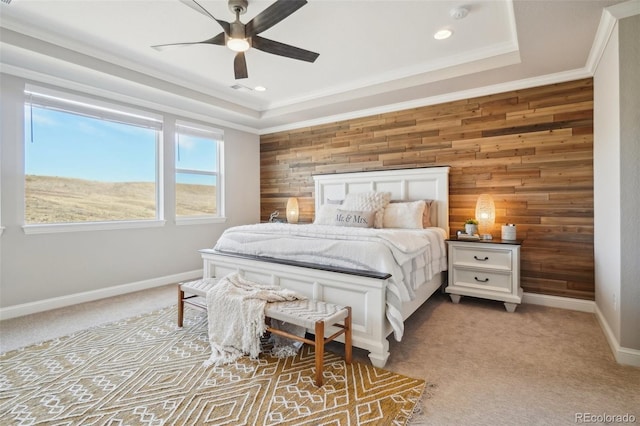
375,55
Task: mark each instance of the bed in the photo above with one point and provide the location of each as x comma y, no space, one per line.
382,297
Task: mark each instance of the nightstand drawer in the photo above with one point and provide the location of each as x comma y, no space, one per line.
479,279
482,257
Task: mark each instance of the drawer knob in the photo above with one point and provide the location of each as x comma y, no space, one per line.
481,260
481,281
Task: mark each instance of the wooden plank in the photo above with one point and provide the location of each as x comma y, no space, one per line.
561,112
532,149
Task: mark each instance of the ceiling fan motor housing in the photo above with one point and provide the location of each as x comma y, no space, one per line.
237,30
239,6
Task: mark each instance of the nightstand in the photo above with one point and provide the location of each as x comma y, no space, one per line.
489,269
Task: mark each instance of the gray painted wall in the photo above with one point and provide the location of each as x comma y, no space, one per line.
606,185
617,183
629,37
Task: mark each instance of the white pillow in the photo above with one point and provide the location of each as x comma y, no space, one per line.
357,219
429,210
327,214
404,215
362,201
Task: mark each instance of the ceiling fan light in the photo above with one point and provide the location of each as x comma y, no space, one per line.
238,44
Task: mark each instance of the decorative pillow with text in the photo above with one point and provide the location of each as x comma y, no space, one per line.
368,201
354,218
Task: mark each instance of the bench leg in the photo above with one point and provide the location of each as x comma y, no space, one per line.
180,305
347,337
319,346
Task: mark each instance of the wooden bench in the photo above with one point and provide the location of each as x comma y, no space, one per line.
311,314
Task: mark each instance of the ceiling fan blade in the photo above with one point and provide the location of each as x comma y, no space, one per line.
240,66
272,15
282,49
219,40
193,4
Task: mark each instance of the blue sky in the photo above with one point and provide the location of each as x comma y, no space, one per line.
69,145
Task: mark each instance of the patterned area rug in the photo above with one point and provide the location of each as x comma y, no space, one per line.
147,371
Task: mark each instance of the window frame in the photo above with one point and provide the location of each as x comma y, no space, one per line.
86,105
207,131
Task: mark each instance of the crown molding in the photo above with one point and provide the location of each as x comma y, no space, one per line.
434,100
496,56
625,10
153,99
605,29
608,20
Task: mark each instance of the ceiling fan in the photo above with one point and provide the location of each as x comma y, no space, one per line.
241,37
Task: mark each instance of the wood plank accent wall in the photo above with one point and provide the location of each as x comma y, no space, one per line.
531,149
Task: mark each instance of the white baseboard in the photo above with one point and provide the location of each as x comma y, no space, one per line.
626,356
560,302
622,355
89,296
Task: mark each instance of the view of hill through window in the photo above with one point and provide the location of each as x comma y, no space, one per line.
80,168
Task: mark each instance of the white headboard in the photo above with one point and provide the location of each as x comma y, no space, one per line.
430,183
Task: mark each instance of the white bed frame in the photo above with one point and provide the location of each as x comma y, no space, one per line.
365,294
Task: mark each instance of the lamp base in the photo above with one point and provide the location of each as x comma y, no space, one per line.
486,237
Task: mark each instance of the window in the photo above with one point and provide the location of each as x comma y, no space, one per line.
89,161
198,171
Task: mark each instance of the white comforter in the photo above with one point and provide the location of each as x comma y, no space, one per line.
412,257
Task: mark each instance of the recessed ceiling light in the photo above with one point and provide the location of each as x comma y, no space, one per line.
442,34
259,88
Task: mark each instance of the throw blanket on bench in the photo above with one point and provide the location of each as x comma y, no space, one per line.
236,317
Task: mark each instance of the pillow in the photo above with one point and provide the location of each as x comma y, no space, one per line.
374,201
356,219
326,214
404,215
426,216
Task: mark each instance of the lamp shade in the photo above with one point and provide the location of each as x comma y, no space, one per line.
292,210
486,215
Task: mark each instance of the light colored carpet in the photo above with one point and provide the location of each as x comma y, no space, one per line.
537,366
146,370
483,365
29,329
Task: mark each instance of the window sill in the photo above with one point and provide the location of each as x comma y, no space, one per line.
90,226
199,220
